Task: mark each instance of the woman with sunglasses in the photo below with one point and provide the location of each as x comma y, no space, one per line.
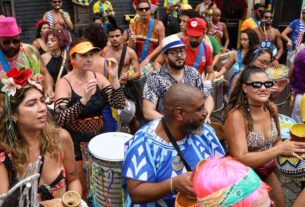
80,97
252,129
43,27
55,59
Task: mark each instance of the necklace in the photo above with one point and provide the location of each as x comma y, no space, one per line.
257,106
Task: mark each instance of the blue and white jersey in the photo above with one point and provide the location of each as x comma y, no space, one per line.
149,158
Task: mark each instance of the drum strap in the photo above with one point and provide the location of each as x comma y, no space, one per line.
174,143
122,60
3,62
148,36
239,59
199,55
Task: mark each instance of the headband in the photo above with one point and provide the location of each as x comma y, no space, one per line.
234,193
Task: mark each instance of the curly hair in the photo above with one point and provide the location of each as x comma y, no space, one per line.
253,45
61,35
50,142
238,99
96,35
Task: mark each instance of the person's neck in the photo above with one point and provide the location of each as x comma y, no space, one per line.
268,27
146,21
31,138
118,48
56,53
256,17
175,130
256,106
56,11
80,75
175,73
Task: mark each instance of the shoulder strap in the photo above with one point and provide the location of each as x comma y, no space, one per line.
239,59
174,143
199,56
4,62
148,36
122,59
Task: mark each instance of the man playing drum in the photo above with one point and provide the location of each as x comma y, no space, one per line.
160,154
128,68
173,72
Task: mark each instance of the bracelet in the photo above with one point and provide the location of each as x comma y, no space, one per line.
171,181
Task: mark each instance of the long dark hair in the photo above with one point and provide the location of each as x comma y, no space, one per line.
238,99
38,35
253,45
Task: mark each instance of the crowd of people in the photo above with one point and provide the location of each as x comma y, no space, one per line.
60,92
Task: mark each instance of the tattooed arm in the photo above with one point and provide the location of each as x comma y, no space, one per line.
72,180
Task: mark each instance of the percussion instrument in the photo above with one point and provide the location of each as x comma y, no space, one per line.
106,156
228,76
277,73
223,59
291,166
127,114
71,199
145,71
217,93
285,124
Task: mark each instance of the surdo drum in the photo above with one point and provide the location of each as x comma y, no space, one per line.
106,155
217,93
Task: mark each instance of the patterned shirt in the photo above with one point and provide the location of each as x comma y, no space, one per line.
159,82
297,27
149,158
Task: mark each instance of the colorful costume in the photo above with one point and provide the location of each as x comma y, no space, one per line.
151,159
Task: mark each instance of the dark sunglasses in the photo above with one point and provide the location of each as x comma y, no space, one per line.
14,42
57,2
270,17
145,9
258,84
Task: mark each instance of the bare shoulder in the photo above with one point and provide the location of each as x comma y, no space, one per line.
131,52
275,31
235,116
66,139
274,107
160,25
46,57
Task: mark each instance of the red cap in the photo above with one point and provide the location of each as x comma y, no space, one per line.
196,27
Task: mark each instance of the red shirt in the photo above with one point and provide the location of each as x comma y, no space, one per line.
191,56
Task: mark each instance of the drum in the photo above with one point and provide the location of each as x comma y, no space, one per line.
145,71
277,73
127,114
223,59
217,93
285,125
106,156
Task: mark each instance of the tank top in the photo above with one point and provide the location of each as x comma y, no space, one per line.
53,67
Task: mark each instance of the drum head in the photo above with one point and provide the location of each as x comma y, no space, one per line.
109,146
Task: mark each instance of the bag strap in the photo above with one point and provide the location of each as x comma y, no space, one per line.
199,55
239,59
122,60
174,143
148,36
4,62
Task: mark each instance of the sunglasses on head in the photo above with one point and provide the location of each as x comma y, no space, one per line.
258,84
14,42
143,9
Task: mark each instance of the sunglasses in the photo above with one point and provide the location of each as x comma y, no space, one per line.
57,2
268,17
145,9
258,84
14,42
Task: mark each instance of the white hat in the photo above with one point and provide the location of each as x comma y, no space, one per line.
171,41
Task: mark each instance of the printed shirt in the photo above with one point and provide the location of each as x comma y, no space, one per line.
159,82
149,158
172,2
141,36
191,55
26,59
297,27
107,6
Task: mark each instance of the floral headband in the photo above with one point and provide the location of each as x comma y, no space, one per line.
10,82
234,193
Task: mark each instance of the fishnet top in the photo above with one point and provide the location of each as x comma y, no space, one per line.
257,142
72,114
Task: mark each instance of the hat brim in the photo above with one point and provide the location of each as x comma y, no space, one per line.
4,34
195,32
85,50
183,201
166,49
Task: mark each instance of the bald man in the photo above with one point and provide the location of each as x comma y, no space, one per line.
153,168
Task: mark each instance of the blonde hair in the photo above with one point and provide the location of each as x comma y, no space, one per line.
50,142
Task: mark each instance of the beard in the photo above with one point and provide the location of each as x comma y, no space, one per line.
194,127
10,53
268,24
175,66
194,44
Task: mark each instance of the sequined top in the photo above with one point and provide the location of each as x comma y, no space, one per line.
257,142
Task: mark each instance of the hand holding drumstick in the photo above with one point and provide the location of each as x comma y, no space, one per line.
112,68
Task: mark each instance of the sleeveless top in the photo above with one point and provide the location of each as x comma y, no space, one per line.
54,66
257,142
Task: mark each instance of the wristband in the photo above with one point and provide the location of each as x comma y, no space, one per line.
171,181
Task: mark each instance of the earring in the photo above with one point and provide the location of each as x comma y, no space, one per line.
73,63
15,121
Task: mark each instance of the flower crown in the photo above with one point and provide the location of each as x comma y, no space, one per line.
15,79
12,81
